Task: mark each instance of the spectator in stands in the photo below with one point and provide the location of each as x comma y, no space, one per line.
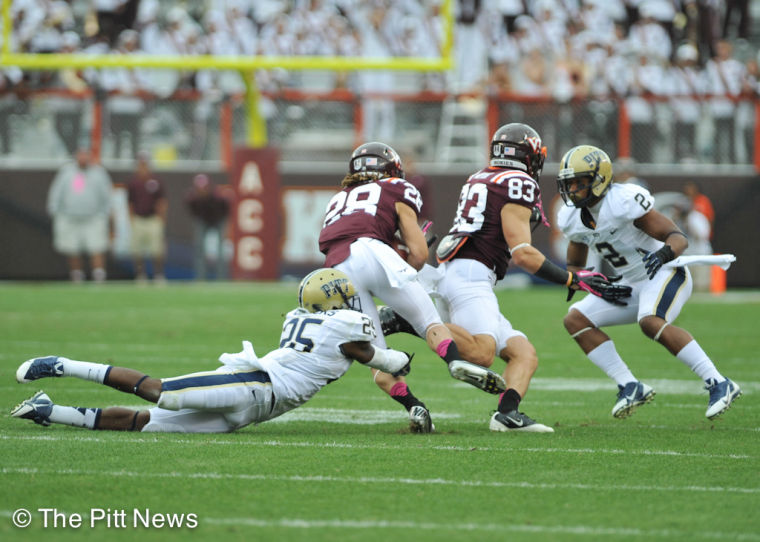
687,87
209,206
11,79
741,8
68,109
128,87
725,76
114,16
646,82
79,202
148,207
379,113
471,55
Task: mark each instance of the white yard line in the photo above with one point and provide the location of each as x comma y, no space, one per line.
588,530
359,524
133,439
379,480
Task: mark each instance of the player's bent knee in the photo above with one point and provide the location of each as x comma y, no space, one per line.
574,321
653,326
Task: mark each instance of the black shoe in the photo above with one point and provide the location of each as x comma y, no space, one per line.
391,322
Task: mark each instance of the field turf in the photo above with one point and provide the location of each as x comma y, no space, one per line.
344,466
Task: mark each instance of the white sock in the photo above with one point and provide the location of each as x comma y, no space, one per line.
76,416
696,360
96,372
608,360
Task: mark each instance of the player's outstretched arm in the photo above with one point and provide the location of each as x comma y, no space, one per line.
389,361
516,228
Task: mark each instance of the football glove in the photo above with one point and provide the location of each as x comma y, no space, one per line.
430,237
597,284
615,292
406,368
654,260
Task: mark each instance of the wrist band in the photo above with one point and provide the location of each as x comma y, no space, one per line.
554,273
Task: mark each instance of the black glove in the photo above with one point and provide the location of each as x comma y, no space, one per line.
615,292
654,260
406,368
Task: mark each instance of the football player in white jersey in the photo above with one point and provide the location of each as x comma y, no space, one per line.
619,222
319,341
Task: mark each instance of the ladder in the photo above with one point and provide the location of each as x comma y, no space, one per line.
463,134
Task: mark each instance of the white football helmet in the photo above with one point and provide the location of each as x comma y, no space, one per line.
327,289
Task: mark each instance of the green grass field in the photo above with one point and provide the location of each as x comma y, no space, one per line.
344,466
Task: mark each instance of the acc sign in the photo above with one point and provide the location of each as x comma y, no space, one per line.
256,230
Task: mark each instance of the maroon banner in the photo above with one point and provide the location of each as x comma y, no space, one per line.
256,214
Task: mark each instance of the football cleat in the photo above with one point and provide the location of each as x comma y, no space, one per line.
516,421
722,394
477,376
391,322
419,420
37,408
631,396
37,368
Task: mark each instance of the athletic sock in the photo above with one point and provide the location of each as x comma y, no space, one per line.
608,360
96,372
76,416
400,392
509,401
448,350
695,359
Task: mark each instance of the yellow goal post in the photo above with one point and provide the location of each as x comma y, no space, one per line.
246,65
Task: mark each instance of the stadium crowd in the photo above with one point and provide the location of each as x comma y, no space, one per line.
655,54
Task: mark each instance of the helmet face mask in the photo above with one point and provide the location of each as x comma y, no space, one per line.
518,146
327,289
585,176
377,160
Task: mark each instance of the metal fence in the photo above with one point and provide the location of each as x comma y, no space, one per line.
47,126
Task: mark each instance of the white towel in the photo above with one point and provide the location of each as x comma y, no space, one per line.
722,260
244,361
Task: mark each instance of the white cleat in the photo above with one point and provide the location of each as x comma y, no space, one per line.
477,376
722,394
516,421
37,408
36,368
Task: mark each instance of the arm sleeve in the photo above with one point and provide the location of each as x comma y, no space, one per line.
388,360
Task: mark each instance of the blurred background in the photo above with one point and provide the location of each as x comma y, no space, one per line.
668,88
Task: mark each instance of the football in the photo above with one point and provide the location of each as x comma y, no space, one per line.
398,245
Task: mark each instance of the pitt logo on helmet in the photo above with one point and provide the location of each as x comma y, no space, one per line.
327,289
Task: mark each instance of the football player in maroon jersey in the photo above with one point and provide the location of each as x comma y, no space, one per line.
357,236
492,226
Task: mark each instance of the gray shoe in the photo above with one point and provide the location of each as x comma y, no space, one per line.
419,420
